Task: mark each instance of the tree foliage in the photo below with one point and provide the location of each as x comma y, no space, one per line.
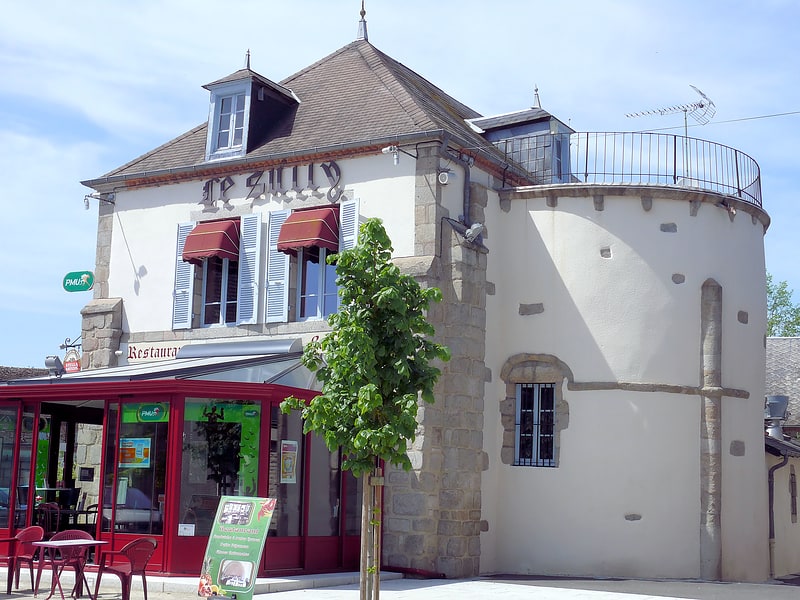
783,315
376,361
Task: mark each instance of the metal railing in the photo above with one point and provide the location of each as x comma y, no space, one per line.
636,159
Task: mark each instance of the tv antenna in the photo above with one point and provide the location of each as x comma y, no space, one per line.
701,111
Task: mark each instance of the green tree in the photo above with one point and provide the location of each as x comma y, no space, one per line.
374,366
783,315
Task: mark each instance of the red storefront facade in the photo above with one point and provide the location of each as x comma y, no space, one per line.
131,456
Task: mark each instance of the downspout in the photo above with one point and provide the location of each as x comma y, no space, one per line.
445,153
771,482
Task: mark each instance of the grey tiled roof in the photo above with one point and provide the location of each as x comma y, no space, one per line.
357,96
783,373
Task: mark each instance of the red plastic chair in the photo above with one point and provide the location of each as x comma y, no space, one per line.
74,558
135,555
22,551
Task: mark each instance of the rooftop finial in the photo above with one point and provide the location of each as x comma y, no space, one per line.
362,25
536,102
247,59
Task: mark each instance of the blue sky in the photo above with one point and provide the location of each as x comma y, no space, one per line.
87,86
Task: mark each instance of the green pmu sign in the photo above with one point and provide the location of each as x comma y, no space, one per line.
78,281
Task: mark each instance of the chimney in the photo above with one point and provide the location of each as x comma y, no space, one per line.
774,413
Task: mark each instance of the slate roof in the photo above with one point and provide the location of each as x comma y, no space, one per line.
783,373
355,97
506,120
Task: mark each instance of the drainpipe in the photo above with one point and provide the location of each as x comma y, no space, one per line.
771,480
445,153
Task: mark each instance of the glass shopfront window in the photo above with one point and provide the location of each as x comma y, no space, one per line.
219,458
135,468
324,483
286,459
8,426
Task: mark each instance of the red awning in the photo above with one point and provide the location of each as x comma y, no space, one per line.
212,238
313,227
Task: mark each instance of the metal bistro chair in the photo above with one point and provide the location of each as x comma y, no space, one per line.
135,556
22,551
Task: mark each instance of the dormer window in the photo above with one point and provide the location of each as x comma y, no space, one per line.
245,110
228,122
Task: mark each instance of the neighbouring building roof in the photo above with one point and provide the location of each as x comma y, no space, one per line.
7,373
356,96
783,373
781,448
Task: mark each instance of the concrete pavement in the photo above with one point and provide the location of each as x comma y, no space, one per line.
344,586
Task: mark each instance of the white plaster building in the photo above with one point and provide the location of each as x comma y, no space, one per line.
602,412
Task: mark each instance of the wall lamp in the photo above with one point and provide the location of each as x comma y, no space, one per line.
108,198
54,366
395,152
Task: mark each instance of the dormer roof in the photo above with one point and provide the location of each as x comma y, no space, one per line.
250,75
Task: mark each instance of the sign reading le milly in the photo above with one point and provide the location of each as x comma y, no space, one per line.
261,183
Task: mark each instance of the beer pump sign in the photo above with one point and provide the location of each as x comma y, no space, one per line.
78,281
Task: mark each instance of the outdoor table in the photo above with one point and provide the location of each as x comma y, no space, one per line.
67,549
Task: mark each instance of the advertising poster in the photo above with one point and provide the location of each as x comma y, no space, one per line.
134,453
234,547
288,461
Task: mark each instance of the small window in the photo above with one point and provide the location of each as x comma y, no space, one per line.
316,285
230,123
557,159
220,291
534,443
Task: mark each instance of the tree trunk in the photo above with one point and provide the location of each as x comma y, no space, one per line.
366,503
370,572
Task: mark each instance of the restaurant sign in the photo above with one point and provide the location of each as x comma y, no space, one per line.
140,352
78,281
235,547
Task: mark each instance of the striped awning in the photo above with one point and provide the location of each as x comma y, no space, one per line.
312,227
212,238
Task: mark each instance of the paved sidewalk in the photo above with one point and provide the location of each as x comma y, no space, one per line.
344,586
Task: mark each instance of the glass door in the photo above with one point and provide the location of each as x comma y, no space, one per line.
135,467
219,457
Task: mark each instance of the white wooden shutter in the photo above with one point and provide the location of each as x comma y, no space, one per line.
249,269
348,224
184,283
277,271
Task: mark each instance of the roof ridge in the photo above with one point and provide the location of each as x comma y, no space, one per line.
407,70
315,64
441,110
377,63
